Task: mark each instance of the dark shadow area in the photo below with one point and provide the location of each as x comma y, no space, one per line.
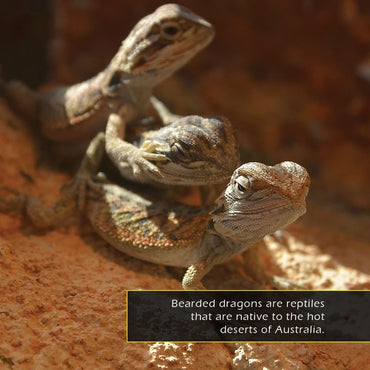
25,30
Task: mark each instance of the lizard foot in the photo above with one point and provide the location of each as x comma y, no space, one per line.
13,204
140,161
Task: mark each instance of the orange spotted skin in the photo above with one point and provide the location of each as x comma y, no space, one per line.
159,232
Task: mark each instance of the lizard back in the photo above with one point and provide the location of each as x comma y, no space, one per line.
158,232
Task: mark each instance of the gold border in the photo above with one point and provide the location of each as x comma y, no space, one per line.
239,290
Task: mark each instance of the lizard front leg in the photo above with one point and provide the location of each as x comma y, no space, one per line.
254,267
40,215
89,166
126,155
195,273
193,276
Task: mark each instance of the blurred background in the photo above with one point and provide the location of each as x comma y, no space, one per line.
293,76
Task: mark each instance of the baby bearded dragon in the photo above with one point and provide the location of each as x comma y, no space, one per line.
258,200
158,45
190,151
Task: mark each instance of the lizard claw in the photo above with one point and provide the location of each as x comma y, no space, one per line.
149,150
154,157
140,166
139,161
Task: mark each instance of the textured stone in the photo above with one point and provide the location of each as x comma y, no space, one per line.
63,291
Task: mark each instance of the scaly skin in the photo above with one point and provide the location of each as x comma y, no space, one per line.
158,45
258,200
191,151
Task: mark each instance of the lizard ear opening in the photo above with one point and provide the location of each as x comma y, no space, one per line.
115,80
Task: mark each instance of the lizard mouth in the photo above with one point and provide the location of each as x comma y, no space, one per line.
197,173
243,225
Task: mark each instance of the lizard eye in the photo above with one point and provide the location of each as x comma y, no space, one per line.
178,153
242,185
170,31
241,189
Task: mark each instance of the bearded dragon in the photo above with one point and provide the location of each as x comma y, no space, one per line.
192,150
258,200
157,46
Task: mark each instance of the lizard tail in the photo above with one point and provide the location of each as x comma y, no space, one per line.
20,97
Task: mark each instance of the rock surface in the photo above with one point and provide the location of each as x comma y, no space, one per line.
287,76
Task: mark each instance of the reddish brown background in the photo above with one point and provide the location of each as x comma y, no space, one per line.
287,74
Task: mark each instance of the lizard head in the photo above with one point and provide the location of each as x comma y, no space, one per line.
198,150
161,43
261,199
